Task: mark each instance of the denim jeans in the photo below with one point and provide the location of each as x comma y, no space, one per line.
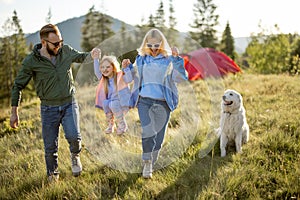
52,117
154,116
114,106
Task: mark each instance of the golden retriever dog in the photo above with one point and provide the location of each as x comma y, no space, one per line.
233,123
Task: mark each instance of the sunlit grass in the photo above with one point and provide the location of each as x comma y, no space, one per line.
189,167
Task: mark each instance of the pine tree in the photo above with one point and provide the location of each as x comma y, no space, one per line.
49,16
19,43
160,16
13,50
104,26
6,66
158,21
227,42
204,23
172,19
86,29
172,33
151,22
95,29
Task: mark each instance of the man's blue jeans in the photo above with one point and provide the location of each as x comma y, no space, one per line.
52,117
154,116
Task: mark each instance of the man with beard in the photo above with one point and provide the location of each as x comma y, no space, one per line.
49,64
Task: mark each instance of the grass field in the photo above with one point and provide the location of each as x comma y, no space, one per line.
190,166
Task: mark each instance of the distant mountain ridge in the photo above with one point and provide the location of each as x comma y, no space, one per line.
241,43
71,33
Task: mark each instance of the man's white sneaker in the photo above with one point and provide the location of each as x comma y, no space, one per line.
147,170
76,164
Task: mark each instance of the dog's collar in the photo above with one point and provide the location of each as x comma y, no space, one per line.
233,112
226,112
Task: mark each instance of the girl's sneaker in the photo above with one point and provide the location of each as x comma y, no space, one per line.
122,126
110,129
111,124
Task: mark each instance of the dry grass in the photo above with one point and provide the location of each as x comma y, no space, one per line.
190,166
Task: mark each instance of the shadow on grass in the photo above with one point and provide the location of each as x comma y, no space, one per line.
112,183
195,178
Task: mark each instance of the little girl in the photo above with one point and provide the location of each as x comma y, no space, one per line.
113,92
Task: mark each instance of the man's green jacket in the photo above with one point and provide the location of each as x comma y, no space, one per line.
54,83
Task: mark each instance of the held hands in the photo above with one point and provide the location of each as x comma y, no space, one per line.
125,63
96,53
175,51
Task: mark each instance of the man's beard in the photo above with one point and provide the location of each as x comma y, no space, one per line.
50,51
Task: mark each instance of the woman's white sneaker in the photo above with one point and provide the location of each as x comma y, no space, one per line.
147,170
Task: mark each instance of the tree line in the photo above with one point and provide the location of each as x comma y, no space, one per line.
268,52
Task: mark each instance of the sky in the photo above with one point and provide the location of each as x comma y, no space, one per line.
244,16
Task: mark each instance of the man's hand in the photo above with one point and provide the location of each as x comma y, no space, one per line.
14,118
96,53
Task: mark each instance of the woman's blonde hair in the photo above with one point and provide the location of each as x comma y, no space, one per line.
116,68
164,48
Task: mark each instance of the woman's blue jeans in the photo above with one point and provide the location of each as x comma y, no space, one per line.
154,116
52,117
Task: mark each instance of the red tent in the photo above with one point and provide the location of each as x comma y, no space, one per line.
208,62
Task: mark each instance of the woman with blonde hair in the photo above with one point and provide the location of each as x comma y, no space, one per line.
113,92
155,94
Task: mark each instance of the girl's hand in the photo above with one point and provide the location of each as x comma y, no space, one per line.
175,51
125,63
96,53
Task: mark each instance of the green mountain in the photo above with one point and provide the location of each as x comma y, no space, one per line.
71,31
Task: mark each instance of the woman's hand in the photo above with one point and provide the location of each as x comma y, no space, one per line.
125,63
175,51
